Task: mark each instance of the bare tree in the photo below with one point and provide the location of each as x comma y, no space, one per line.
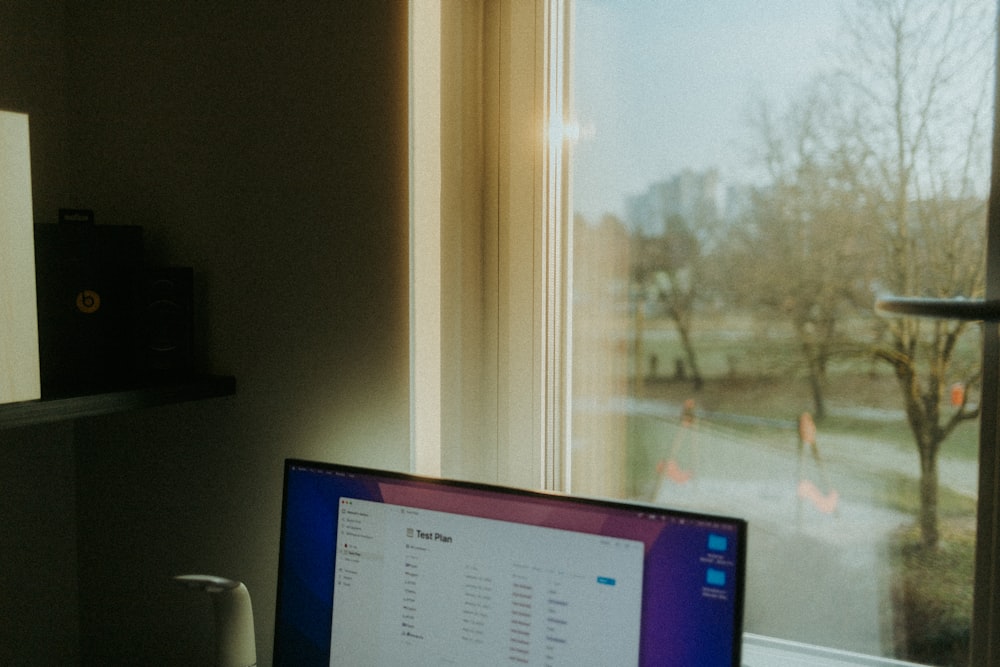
803,253
668,269
877,183
919,91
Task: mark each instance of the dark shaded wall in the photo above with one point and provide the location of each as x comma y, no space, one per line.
39,607
265,145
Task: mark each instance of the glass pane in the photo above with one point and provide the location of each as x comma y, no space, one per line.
748,177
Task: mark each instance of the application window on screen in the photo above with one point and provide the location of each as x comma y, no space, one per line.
417,587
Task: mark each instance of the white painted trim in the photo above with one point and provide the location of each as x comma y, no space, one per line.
759,651
425,236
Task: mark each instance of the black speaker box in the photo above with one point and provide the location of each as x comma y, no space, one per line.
84,275
164,331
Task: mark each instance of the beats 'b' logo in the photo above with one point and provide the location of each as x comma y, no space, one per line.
88,301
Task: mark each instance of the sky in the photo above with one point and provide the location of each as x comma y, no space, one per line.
664,85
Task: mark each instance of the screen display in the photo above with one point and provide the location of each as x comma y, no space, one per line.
379,568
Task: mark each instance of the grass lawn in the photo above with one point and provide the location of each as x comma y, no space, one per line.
761,374
748,373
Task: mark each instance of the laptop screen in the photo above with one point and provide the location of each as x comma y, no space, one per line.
381,568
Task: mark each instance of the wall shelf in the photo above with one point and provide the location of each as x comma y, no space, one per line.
26,413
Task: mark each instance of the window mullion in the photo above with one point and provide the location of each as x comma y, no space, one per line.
986,595
555,240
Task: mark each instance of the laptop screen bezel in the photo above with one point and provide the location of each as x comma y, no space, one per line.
284,642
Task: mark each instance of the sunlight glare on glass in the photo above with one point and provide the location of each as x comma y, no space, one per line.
570,132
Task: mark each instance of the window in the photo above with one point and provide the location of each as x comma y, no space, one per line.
587,340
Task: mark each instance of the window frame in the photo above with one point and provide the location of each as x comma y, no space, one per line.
489,345
985,639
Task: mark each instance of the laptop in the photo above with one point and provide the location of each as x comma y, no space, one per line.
384,568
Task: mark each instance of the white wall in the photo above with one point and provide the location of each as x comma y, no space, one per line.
265,145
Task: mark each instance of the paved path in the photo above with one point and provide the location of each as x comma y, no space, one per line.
813,576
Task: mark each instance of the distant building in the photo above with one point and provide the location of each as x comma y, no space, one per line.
739,199
692,195
698,197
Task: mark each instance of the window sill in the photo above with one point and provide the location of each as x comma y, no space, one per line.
759,651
